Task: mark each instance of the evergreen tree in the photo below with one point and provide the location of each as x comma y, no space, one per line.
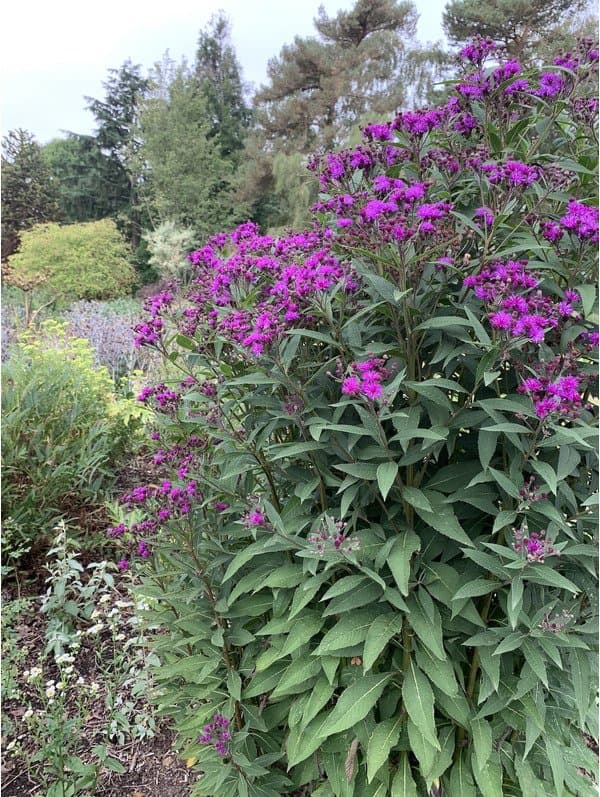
362,64
29,194
79,168
187,180
116,118
319,87
218,76
518,26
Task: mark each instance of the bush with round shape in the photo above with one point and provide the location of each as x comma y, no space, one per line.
79,261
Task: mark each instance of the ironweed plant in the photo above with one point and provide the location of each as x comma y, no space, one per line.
369,537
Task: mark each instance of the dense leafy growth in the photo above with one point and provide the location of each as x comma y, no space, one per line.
77,261
368,530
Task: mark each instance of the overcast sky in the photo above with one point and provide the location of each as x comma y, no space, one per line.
56,53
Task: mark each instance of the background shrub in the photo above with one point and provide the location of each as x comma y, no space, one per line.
64,429
81,261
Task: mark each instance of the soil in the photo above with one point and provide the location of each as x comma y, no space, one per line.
153,768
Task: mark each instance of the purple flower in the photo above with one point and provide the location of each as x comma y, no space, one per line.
351,386
486,215
123,564
581,220
217,734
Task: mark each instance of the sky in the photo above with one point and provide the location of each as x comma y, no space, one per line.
56,53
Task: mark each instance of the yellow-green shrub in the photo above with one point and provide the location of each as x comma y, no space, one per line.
80,261
64,429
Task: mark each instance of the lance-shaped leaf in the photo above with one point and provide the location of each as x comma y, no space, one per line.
384,737
354,703
418,699
379,634
405,545
403,784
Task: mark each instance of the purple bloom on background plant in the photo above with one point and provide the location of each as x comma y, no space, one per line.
486,215
534,546
123,564
551,84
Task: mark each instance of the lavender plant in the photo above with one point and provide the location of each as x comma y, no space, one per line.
107,326
368,532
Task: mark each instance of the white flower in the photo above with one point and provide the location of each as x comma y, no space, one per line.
95,629
96,614
104,599
94,688
50,691
120,637
80,681
28,714
11,745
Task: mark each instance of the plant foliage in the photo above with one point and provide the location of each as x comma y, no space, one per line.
369,536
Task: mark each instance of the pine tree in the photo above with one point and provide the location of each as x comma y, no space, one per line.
518,26
218,76
116,118
29,194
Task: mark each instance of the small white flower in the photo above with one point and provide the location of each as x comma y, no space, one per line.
68,670
50,691
80,681
104,599
96,614
95,629
94,688
28,714
120,637
11,745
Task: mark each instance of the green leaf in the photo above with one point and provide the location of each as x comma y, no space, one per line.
379,634
547,473
444,520
427,628
416,498
486,446
361,470
582,683
555,755
349,630
303,740
475,588
385,735
515,601
319,697
405,545
386,476
418,699
440,673
507,485
481,733
299,671
489,779
343,585
354,703
460,782
403,784
542,574
534,658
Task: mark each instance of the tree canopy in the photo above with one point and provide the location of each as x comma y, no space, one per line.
517,25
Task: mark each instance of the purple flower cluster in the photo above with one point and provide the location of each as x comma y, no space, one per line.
527,313
530,493
562,396
217,734
162,398
149,332
534,546
325,539
281,275
581,220
365,379
556,623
